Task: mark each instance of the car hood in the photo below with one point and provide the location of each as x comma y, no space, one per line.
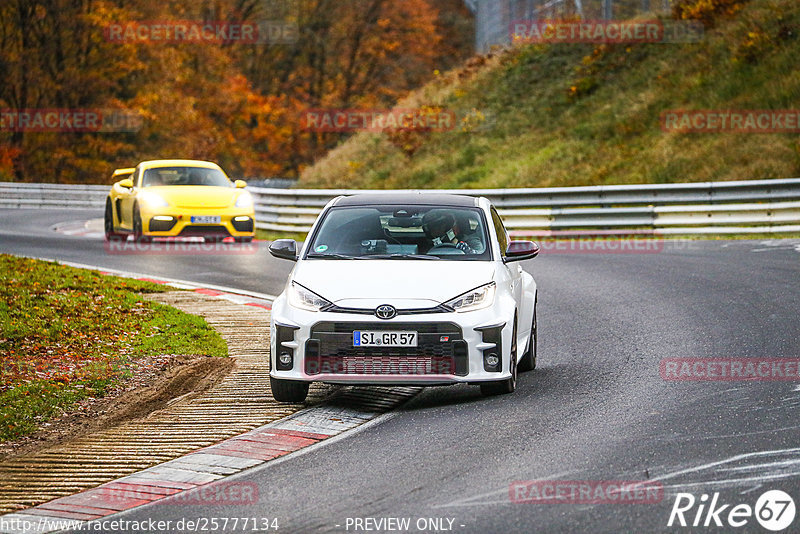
403,283
196,196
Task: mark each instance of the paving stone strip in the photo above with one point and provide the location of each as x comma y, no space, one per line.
238,403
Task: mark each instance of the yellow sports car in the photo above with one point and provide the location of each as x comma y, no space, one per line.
178,198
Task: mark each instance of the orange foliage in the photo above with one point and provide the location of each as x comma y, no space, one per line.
237,104
7,156
706,10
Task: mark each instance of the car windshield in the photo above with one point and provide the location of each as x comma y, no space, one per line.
401,232
184,176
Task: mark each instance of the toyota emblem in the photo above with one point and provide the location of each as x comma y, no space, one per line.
385,312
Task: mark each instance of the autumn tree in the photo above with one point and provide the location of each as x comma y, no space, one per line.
235,103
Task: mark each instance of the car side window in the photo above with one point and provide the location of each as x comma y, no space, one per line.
135,179
500,230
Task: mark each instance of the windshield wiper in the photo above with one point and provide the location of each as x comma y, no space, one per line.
333,256
403,257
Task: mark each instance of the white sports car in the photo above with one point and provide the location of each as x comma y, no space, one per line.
404,288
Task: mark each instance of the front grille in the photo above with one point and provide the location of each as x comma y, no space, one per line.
348,328
440,350
201,230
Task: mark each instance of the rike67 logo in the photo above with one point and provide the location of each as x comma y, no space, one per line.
774,510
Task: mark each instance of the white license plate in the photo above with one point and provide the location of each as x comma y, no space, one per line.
206,219
384,339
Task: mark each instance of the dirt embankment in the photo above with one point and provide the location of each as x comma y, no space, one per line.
157,382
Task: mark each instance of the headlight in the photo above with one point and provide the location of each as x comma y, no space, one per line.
477,299
300,297
245,200
152,200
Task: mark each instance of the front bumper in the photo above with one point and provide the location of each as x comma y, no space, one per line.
181,225
452,347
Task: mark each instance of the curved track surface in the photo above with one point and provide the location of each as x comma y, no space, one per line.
596,409
30,233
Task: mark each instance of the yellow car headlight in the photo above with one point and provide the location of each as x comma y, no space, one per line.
245,200
152,200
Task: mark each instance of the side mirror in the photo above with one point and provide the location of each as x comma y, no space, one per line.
127,183
240,184
521,250
285,249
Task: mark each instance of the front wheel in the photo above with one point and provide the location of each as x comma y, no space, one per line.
502,387
243,239
138,230
288,390
528,360
108,224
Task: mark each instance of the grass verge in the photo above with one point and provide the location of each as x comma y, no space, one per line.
69,334
272,235
544,115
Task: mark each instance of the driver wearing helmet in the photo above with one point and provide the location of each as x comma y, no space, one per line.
443,228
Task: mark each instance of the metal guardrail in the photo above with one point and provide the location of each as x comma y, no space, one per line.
19,195
756,206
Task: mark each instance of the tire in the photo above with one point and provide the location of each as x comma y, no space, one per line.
243,239
528,360
288,390
138,230
108,224
503,387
